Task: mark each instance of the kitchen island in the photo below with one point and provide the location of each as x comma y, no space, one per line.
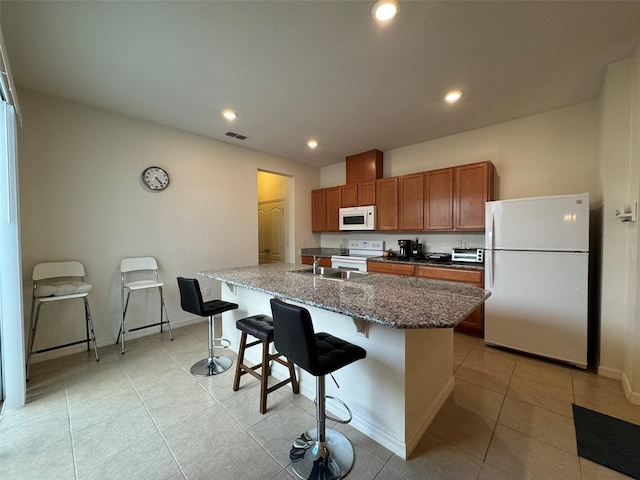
405,324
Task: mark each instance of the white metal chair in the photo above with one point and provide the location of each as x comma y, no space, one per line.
143,266
52,282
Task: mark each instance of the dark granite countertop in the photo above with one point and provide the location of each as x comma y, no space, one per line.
432,263
322,252
325,252
390,300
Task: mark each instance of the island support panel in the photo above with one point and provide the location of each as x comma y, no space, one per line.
394,393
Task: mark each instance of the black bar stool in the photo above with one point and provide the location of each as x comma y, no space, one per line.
261,327
191,301
319,453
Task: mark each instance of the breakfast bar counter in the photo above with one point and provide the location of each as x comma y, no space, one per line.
396,302
404,324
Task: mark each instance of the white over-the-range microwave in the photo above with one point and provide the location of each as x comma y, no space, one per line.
358,218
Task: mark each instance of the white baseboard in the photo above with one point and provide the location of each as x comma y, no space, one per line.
631,396
414,437
610,373
107,342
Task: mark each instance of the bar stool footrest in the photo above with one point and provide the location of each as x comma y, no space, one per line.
344,405
220,343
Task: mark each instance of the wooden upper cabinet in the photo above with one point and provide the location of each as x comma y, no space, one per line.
367,193
333,202
411,204
473,186
349,195
438,199
318,210
387,203
445,199
364,167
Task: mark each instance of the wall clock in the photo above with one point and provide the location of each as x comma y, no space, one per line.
155,179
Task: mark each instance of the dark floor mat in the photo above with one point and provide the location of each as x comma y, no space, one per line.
608,441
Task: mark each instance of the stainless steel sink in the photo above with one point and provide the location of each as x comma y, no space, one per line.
319,270
347,274
332,273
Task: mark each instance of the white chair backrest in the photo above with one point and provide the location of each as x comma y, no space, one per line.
57,269
138,263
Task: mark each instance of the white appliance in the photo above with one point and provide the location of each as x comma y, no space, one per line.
536,268
359,252
358,218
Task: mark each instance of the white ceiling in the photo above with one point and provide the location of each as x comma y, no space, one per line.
295,70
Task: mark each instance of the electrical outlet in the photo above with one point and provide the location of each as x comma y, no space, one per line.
207,291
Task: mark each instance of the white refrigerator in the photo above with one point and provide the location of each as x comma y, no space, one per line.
536,268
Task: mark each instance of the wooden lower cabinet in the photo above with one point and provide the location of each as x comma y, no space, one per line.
474,323
393,268
308,260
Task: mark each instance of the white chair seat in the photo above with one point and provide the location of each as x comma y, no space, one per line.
139,267
140,284
54,281
70,289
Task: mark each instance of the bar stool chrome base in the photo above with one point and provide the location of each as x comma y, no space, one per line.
328,460
211,366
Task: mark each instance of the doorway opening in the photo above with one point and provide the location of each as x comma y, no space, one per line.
273,217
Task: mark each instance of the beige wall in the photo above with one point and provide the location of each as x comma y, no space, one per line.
618,260
620,163
634,195
81,198
552,153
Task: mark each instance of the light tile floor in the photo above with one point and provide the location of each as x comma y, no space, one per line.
143,415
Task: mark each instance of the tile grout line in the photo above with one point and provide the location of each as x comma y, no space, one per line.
495,426
73,448
155,424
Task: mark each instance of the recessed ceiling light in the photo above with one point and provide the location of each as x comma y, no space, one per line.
453,96
384,10
229,114
312,144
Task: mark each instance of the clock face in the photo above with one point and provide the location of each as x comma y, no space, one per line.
155,178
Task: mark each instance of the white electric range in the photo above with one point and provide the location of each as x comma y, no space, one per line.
359,252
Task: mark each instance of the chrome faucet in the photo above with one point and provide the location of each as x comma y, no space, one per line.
316,261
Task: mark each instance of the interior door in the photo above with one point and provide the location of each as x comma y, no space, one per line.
271,232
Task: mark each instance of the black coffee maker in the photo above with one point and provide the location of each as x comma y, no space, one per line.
406,249
416,250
